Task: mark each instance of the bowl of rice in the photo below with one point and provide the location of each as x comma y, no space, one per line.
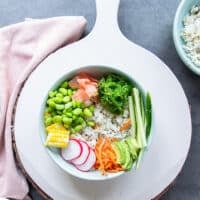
186,34
96,122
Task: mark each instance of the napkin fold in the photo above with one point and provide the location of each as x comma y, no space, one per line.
22,47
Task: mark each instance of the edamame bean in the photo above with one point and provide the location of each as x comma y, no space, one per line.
49,109
57,119
87,112
66,99
51,103
59,112
91,123
63,91
59,95
64,84
77,111
69,92
67,120
60,107
80,120
52,93
74,117
68,105
68,114
79,104
83,124
91,108
48,121
74,104
78,128
58,99
72,131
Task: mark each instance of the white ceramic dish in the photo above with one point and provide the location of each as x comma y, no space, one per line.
106,46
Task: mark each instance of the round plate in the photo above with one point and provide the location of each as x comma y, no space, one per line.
171,118
171,128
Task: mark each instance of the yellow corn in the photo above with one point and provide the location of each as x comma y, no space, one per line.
57,136
56,144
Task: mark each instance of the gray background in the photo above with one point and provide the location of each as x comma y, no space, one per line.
149,24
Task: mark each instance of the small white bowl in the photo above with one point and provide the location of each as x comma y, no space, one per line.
183,10
55,152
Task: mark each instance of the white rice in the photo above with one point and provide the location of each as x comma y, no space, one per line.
108,125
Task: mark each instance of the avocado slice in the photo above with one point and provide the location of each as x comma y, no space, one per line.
127,155
120,153
133,146
130,164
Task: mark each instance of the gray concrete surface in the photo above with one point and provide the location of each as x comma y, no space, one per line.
148,23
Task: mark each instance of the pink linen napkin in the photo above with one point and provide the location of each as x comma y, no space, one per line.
22,47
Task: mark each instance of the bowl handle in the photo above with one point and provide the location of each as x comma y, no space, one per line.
106,19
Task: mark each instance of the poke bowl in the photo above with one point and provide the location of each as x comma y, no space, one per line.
95,122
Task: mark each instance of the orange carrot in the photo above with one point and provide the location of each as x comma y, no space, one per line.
125,125
106,157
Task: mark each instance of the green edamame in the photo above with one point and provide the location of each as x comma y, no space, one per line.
60,106
77,111
87,112
57,119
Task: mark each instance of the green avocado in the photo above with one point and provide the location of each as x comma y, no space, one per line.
124,157
120,153
127,155
130,165
132,146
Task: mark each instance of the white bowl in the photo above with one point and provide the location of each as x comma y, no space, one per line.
54,152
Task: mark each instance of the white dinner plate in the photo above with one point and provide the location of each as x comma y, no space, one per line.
171,128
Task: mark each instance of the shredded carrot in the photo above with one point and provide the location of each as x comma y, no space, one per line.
106,158
125,125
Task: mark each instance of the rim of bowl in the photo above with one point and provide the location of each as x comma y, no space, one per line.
177,40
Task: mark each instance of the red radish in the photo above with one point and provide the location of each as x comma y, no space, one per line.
72,151
84,155
89,162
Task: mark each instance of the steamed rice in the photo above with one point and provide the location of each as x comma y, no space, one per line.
108,125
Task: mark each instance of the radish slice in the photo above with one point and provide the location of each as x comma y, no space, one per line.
73,150
84,155
89,162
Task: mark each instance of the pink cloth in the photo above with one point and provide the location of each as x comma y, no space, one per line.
22,47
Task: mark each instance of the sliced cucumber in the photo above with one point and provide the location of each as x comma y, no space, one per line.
141,132
148,115
139,158
142,108
132,115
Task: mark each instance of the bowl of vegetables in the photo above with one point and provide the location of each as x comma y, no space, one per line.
96,122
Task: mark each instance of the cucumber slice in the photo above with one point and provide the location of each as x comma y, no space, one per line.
132,115
139,158
141,132
148,115
142,107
